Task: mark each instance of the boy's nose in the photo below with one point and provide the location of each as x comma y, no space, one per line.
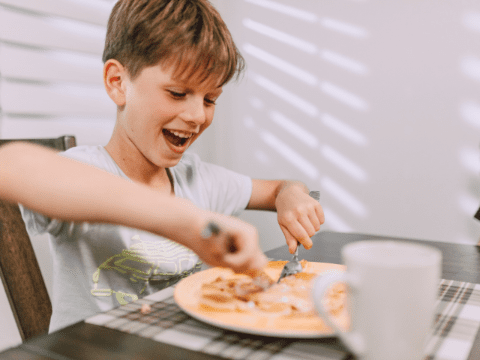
195,111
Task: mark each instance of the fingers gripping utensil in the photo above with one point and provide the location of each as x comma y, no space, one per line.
259,277
213,229
294,266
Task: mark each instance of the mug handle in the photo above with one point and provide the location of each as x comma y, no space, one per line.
352,339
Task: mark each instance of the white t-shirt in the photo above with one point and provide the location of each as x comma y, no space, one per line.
97,267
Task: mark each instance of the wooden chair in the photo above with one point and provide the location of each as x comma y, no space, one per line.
19,270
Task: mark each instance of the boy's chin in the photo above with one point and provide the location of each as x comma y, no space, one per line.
171,161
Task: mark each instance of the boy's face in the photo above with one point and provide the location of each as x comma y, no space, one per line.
163,116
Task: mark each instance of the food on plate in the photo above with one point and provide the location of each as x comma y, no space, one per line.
260,278
290,297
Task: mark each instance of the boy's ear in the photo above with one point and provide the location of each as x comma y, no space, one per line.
114,79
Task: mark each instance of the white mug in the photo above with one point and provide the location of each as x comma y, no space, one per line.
391,293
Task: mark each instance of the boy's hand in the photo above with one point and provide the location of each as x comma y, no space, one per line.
231,243
299,216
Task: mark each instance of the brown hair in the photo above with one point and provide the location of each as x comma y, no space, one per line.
189,35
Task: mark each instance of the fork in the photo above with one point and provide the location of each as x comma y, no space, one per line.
294,266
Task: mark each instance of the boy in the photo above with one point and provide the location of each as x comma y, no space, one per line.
165,62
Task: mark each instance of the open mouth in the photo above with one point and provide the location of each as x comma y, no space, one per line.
177,138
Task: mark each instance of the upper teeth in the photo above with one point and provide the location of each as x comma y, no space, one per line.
181,134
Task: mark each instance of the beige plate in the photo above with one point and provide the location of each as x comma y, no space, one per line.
187,294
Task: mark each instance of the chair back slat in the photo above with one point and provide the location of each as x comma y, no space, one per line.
21,276
19,270
61,143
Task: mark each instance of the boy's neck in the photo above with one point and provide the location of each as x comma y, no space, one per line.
141,171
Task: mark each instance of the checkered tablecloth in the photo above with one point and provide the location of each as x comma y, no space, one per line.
456,324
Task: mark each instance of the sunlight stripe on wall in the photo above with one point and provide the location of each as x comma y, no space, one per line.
285,9
344,28
281,64
290,155
78,27
335,222
344,96
286,95
344,130
280,36
344,62
470,112
344,197
470,66
471,21
294,129
470,160
343,163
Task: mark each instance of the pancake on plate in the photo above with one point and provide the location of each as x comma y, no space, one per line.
231,292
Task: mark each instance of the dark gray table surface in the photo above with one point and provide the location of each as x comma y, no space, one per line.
87,341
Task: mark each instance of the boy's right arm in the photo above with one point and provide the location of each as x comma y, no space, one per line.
68,190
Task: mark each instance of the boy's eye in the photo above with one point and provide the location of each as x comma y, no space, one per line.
177,95
210,101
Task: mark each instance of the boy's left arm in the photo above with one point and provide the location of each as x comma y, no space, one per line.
298,214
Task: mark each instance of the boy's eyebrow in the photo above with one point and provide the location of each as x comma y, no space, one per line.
190,88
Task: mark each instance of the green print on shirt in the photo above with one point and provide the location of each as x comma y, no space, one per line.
142,262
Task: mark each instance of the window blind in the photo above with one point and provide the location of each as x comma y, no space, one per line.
51,70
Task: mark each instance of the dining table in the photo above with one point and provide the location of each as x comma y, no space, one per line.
170,333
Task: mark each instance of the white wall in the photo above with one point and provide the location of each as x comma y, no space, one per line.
374,103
